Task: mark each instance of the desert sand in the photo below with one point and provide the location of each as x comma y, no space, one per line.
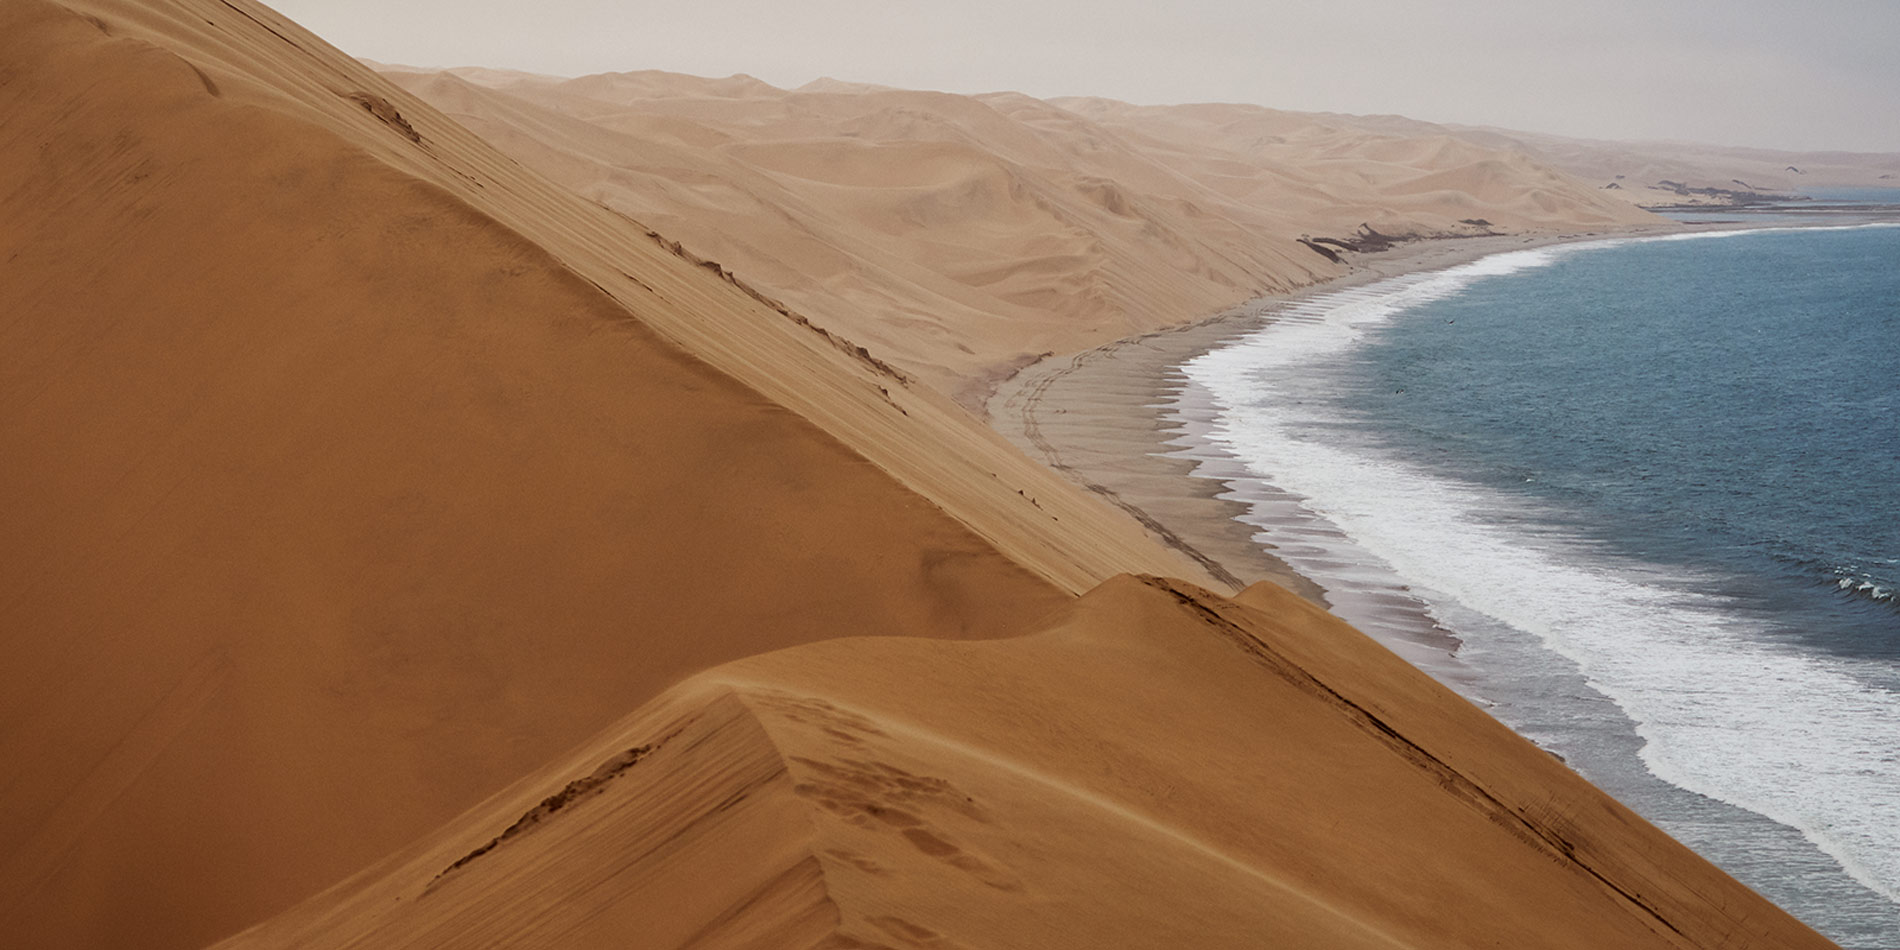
371,495
1155,766
342,493
1680,173
960,237
1646,174
1105,418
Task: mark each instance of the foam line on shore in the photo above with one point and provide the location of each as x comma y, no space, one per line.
1798,739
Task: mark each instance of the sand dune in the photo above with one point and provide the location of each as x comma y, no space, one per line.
1659,173
356,472
959,236
1656,173
352,471
1156,766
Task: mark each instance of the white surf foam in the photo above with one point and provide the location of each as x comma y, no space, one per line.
1800,738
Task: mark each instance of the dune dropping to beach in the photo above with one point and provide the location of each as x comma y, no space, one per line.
402,548
962,236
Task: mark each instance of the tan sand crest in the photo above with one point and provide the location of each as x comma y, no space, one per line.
336,502
1155,767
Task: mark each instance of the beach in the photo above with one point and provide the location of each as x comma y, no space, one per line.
1130,422
1107,417
425,534
1122,421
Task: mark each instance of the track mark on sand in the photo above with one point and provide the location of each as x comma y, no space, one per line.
1028,402
573,792
925,737
912,935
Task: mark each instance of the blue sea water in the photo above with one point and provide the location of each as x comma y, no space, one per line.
1730,407
1652,489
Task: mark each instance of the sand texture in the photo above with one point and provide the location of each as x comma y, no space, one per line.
1680,173
335,502
1107,419
361,481
1644,173
1156,766
959,237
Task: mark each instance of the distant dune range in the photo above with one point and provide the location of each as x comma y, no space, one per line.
1154,767
961,236
361,480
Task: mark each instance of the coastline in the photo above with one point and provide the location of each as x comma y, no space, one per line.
1105,417
1124,421
1101,417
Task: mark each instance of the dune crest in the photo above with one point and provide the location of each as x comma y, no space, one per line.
1154,766
357,473
353,471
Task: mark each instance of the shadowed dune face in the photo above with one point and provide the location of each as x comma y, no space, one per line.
958,236
332,505
1155,767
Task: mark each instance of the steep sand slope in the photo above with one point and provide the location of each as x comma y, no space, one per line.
959,236
351,471
1156,767
355,471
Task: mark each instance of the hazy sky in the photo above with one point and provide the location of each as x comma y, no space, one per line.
1776,73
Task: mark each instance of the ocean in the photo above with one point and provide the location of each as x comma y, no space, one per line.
1647,492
